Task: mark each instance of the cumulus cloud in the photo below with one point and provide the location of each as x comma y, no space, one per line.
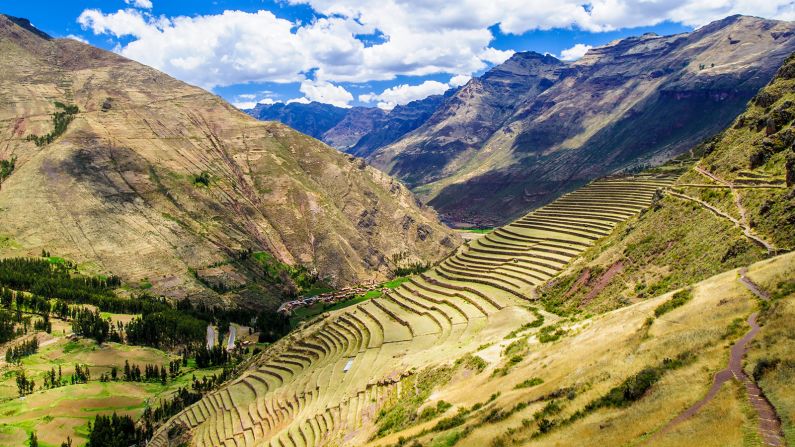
404,94
325,92
77,38
459,80
145,4
414,37
575,52
236,47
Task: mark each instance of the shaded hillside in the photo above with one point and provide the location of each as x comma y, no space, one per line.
357,122
313,119
398,122
633,102
357,130
126,170
729,209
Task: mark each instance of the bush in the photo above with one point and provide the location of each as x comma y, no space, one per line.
473,362
529,383
762,366
678,299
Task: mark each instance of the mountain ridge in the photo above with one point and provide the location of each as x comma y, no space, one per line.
164,184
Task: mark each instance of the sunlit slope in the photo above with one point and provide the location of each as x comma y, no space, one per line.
298,392
154,178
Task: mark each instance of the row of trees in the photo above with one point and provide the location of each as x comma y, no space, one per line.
60,121
15,353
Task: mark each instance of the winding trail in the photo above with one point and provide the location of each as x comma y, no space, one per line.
743,222
746,230
769,422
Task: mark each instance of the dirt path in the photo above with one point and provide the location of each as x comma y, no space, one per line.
746,231
743,222
769,422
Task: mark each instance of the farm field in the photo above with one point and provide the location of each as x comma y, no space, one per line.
57,413
336,376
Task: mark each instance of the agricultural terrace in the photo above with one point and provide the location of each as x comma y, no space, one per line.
333,376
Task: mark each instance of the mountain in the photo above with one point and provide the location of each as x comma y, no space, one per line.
313,118
534,127
357,130
653,308
398,122
357,122
127,171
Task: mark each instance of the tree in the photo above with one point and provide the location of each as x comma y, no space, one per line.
33,441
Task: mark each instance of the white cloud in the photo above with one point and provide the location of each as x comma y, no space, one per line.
459,80
247,101
495,56
325,92
575,52
145,4
302,100
415,37
77,38
404,94
237,47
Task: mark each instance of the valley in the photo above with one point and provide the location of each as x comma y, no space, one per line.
587,252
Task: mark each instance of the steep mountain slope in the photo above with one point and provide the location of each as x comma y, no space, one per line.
163,183
357,122
398,122
731,208
632,102
313,119
466,121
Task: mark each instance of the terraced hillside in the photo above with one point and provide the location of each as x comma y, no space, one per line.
327,382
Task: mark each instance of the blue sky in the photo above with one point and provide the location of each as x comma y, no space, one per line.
359,52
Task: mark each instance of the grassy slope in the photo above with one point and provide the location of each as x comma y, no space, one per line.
679,242
673,244
600,353
776,343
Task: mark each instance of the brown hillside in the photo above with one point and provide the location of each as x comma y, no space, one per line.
117,191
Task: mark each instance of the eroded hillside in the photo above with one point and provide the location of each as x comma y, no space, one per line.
169,186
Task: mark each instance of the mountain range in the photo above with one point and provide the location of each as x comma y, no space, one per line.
534,127
130,172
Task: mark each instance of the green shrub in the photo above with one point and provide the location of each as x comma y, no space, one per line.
549,334
472,362
678,299
762,366
531,382
202,179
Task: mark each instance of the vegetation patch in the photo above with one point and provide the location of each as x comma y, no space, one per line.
678,299
60,120
551,333
472,362
402,412
529,383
